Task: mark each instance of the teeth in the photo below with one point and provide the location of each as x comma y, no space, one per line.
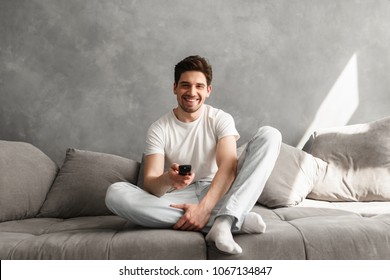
190,99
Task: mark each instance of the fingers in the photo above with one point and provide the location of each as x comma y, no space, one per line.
185,222
175,167
180,181
180,223
179,206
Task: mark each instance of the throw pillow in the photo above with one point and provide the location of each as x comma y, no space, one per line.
293,177
359,162
81,185
26,174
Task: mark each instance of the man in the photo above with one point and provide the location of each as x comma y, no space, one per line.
211,199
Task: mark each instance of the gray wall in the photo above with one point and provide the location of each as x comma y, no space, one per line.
95,74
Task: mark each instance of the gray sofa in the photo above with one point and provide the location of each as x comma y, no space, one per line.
330,201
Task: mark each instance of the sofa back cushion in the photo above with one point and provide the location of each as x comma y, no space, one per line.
26,175
81,184
294,175
359,162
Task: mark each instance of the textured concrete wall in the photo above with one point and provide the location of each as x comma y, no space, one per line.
95,74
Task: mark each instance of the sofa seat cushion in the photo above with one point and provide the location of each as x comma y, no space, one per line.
346,237
365,209
315,233
281,241
100,237
158,244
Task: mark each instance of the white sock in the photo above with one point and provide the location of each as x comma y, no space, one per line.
253,223
222,235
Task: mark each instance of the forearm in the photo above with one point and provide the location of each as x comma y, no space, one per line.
159,185
220,185
156,181
226,158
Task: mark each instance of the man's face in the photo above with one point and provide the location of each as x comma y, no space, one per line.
191,91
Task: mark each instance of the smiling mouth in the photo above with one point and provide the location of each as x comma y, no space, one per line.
190,99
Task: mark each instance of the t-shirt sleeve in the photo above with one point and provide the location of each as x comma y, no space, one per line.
154,140
225,126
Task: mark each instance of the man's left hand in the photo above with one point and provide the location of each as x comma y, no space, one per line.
195,217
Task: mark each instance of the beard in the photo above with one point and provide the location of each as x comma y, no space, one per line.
188,107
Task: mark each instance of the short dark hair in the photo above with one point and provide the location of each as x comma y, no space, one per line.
194,63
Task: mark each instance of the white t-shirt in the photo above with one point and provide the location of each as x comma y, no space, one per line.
191,143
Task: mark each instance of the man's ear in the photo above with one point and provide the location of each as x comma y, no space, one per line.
174,88
209,89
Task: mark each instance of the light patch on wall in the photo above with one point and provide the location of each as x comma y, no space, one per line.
340,103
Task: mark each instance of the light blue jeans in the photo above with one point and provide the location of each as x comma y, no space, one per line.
142,208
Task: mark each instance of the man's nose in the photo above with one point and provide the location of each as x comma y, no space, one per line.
192,90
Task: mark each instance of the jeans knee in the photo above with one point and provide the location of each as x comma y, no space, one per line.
111,194
269,134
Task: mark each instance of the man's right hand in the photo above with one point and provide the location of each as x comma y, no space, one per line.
158,182
179,182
